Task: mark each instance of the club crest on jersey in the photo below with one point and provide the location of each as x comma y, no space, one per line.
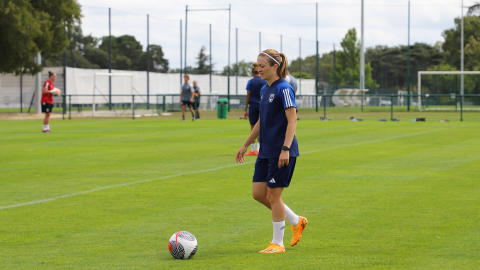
272,96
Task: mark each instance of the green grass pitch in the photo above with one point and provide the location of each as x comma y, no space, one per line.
109,193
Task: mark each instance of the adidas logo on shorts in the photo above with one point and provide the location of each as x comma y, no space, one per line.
272,181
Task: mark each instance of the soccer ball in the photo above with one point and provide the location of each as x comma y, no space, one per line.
57,92
182,245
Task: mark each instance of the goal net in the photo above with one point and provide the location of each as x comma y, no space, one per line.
114,94
448,90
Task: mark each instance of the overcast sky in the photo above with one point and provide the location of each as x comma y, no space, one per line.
262,24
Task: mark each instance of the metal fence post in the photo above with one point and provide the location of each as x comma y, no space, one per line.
64,106
133,107
391,108
69,107
461,108
164,103
324,106
456,102
361,101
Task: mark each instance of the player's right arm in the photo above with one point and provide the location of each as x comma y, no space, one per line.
247,100
181,95
240,157
45,89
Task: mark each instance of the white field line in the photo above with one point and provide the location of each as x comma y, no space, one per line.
374,141
200,171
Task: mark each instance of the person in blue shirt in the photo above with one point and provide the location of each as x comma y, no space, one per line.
277,157
252,104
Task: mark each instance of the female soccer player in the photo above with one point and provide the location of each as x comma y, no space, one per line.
253,100
47,100
276,160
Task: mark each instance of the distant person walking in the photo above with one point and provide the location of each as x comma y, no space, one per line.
196,96
47,100
252,104
186,97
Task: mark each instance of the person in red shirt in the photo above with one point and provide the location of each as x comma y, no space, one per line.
47,100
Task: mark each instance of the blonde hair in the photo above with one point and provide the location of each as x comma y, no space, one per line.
255,69
279,58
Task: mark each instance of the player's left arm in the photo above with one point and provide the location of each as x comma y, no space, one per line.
287,96
291,114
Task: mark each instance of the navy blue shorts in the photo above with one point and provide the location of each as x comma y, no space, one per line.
253,113
266,170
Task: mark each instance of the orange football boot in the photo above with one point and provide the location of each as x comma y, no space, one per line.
273,248
297,230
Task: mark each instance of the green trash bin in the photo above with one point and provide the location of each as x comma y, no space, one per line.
222,108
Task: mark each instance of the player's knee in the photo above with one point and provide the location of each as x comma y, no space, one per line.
259,197
273,198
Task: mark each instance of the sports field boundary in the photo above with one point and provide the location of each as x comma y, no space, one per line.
202,171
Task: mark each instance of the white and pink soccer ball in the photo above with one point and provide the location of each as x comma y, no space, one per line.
57,92
182,245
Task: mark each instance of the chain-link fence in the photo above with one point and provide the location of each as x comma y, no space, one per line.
184,45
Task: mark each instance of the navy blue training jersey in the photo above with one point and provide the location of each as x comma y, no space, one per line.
273,121
255,86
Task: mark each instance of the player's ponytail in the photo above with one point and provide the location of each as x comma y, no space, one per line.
50,74
282,70
279,59
255,69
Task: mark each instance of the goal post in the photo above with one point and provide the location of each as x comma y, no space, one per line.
420,73
95,87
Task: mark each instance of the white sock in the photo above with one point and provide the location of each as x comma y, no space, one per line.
44,127
278,232
291,216
258,146
252,146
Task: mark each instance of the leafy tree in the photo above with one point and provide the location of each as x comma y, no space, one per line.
124,47
474,10
347,70
203,66
96,56
325,67
452,36
157,62
244,69
448,84
29,27
84,49
304,75
122,62
390,63
80,60
472,49
127,54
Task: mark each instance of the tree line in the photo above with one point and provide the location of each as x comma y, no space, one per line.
54,28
